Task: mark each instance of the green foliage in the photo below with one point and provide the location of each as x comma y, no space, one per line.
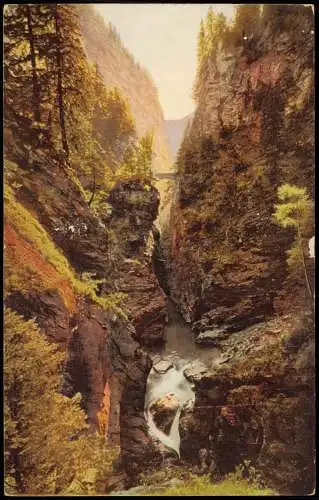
191,485
296,210
201,42
31,230
295,207
74,178
212,31
145,156
215,31
138,160
83,124
40,457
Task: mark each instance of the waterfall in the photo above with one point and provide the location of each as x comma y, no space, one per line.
171,441
159,385
174,432
177,353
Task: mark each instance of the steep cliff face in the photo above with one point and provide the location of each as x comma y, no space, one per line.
252,131
78,238
118,68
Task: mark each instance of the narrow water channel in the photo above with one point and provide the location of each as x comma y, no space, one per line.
167,374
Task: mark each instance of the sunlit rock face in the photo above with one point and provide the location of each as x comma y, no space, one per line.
253,130
265,376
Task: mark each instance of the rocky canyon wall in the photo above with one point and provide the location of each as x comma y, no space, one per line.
84,274
253,130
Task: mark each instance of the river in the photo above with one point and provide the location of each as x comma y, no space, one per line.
167,377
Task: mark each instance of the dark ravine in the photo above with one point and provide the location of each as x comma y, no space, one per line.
252,131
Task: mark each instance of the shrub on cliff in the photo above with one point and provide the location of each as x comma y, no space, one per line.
296,211
38,241
138,160
40,457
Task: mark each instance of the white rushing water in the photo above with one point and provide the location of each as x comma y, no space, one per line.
158,386
172,440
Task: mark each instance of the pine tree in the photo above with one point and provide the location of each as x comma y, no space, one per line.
201,43
71,70
211,32
25,80
209,27
35,83
41,456
296,211
145,156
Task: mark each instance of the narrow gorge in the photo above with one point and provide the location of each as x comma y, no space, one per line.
151,305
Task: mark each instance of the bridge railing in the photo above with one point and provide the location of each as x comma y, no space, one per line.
165,175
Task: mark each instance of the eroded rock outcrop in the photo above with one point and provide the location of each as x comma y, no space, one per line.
134,209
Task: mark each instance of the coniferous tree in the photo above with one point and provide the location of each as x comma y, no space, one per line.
24,78
71,70
86,124
211,32
201,43
41,456
35,83
145,156
295,210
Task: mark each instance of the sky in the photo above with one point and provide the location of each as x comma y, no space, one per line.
163,38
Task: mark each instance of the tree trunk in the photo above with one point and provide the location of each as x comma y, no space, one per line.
305,268
35,84
60,85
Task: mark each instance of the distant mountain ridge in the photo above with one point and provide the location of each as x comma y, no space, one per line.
118,67
175,132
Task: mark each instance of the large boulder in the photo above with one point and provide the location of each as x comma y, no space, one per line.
163,412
